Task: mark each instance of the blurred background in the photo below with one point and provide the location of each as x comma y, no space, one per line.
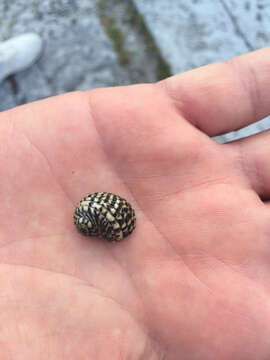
99,43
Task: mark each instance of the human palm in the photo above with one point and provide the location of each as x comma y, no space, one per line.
191,282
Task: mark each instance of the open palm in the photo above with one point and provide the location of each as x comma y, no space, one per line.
192,281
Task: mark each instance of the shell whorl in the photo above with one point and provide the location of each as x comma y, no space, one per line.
105,215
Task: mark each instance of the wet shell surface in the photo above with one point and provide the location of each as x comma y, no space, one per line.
105,215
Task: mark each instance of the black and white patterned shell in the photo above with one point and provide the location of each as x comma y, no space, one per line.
105,215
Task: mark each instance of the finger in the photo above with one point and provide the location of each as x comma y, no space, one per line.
222,97
253,153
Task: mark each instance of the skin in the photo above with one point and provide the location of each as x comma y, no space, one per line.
192,281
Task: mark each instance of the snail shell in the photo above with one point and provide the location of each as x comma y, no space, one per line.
104,215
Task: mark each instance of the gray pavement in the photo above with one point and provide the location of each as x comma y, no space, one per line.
87,48
199,32
77,53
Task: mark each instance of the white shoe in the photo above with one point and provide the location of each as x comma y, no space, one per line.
19,53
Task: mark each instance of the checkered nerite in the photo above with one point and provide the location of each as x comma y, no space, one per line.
105,215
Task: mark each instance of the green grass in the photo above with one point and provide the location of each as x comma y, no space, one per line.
136,20
102,5
163,70
117,37
35,7
114,33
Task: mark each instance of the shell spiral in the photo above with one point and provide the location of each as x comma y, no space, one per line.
105,215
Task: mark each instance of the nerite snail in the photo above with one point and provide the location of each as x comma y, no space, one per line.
105,215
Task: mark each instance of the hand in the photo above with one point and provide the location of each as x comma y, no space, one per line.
192,281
